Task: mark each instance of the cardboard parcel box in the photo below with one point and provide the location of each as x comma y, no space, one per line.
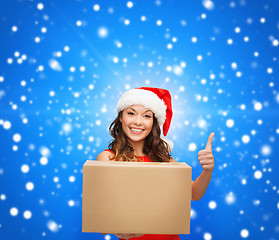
136,197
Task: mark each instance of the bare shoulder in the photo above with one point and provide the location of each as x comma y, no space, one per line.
104,156
172,160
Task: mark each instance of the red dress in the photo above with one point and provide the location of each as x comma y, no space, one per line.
152,236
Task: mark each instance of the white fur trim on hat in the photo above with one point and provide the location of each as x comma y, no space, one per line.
146,98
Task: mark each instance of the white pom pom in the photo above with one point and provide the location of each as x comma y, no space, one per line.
169,143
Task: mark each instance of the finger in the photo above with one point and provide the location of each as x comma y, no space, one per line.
204,152
122,235
209,141
205,162
136,235
207,157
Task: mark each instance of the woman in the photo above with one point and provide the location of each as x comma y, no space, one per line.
136,132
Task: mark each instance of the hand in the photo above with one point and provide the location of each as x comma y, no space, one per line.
205,156
127,235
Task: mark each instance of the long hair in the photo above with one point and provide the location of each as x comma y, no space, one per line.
154,147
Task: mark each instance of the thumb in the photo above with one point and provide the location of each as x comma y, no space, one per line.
209,141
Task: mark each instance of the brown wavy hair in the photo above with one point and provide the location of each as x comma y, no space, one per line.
154,147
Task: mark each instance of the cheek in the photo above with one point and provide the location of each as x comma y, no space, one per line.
150,125
125,122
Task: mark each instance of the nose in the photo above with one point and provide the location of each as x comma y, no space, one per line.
138,120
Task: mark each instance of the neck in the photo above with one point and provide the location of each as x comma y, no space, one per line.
138,147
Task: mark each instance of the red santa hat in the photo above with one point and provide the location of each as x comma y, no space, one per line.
156,99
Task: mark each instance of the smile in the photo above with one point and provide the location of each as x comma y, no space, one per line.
136,131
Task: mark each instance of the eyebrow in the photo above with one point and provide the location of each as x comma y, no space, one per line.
144,112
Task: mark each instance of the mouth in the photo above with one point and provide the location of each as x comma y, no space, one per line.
136,130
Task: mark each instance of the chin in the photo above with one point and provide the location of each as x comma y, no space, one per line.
137,139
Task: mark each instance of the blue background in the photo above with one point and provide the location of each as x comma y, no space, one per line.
61,76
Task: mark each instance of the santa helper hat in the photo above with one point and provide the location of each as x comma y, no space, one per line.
156,99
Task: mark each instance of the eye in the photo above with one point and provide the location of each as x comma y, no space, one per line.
148,116
131,113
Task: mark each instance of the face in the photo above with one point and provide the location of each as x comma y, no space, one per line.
137,122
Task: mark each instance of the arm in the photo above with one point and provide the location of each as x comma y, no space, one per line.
104,156
200,185
207,161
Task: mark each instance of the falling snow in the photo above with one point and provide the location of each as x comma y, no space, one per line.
64,68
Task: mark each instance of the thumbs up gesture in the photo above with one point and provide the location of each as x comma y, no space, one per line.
205,156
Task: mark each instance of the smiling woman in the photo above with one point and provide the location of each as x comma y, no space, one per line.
136,132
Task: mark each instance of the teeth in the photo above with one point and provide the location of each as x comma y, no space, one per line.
136,130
